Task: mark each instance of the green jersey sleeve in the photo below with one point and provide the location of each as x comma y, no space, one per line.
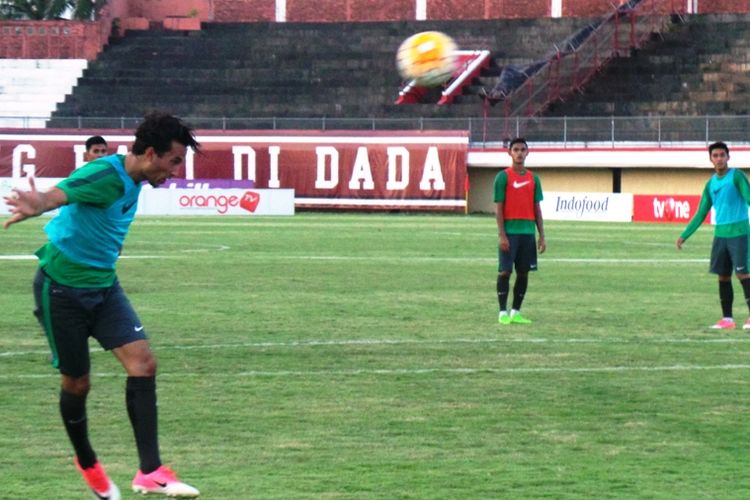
96,183
538,196
501,181
703,208
741,183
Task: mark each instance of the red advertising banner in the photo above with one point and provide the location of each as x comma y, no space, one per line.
665,208
408,170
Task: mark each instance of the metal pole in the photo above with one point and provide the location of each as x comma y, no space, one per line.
658,131
706,129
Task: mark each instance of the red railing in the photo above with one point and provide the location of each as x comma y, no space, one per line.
570,68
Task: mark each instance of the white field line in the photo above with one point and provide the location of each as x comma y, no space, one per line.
604,260
34,257
398,342
412,371
379,258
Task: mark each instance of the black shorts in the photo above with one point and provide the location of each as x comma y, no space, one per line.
522,254
69,316
729,255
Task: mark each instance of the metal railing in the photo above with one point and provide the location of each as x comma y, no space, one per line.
483,131
574,64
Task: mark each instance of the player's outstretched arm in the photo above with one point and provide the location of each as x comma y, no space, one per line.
31,203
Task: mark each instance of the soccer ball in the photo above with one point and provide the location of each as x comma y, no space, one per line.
428,58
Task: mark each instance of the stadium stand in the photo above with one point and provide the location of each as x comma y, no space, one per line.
34,87
699,67
241,70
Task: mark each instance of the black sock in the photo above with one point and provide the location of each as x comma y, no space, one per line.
503,287
140,398
73,411
746,288
726,297
519,290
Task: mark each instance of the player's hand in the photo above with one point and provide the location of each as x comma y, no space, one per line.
23,204
679,243
541,244
504,243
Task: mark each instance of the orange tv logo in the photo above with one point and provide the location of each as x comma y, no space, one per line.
250,201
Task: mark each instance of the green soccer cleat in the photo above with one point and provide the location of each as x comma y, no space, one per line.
517,319
503,318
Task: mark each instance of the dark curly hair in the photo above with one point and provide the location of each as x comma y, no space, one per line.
158,130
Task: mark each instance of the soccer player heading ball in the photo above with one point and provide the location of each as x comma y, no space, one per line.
728,191
78,295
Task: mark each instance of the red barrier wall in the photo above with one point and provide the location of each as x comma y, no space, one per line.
159,10
76,39
244,10
51,39
573,8
487,9
725,6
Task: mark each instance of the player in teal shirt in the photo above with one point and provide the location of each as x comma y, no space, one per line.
78,296
728,192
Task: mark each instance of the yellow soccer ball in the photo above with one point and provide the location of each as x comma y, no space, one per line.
427,57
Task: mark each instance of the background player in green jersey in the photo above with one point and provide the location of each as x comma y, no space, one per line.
96,147
518,193
78,295
728,191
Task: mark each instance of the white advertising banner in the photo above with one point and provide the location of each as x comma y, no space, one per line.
610,207
198,200
246,202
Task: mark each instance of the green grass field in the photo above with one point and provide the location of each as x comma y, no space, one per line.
358,357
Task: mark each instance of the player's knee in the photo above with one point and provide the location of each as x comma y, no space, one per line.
147,366
80,386
143,365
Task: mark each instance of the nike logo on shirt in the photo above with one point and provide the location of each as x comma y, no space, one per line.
517,184
125,208
137,328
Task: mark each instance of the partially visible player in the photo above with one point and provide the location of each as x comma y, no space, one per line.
96,147
78,295
518,193
728,191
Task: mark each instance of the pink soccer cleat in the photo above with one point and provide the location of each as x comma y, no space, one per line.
746,326
101,485
725,324
163,481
